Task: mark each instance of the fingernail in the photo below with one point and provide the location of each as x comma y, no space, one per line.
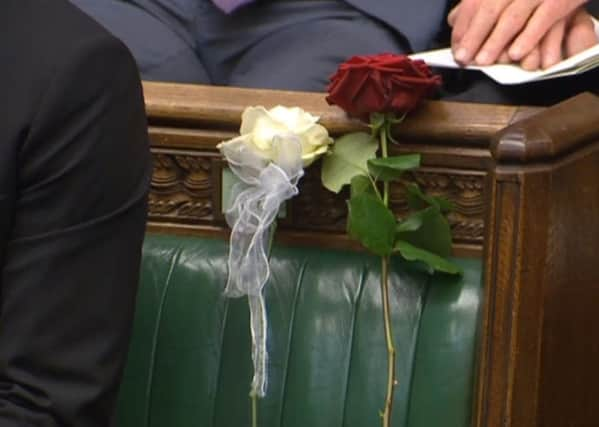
516,53
483,58
461,55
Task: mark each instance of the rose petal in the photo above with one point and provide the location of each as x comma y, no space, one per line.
309,158
381,83
257,121
294,119
317,135
249,117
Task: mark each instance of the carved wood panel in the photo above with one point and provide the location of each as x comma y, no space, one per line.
463,188
182,187
186,190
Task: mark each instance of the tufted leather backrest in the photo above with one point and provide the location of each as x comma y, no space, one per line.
189,362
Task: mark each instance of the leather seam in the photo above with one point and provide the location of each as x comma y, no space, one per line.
299,282
220,356
353,331
416,346
150,392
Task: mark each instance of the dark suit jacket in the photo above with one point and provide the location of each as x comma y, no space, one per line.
74,169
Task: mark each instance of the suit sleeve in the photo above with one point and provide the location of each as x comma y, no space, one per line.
70,272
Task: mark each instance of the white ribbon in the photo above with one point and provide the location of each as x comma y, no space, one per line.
265,183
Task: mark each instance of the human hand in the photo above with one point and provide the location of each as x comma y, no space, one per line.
567,38
484,29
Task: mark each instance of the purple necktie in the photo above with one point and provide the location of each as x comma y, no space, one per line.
229,6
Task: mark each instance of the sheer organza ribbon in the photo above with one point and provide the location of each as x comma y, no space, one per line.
264,184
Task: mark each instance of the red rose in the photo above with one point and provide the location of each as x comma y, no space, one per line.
381,84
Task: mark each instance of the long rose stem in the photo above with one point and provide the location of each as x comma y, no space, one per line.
383,134
391,380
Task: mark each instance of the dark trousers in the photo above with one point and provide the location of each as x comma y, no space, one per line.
281,45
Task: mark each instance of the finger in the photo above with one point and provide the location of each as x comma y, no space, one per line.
451,18
544,17
462,20
509,24
581,34
478,30
532,61
551,45
504,58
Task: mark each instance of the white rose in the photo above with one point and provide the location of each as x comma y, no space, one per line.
260,127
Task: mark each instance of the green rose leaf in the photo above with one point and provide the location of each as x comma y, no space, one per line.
371,223
348,158
411,223
390,168
361,184
419,200
433,262
427,229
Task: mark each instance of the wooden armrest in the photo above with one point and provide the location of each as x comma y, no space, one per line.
539,343
221,108
550,134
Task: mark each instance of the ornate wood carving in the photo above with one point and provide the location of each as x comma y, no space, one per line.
182,187
463,189
186,189
316,208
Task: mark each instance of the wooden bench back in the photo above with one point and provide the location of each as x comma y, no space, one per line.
187,121
525,182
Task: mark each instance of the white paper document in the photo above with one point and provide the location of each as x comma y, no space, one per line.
508,74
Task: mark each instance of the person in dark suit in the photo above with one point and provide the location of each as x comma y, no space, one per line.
74,171
294,44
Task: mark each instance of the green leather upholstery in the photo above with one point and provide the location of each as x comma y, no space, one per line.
189,363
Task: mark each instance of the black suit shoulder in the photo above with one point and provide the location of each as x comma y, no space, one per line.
45,31
81,105
74,175
56,63
42,38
